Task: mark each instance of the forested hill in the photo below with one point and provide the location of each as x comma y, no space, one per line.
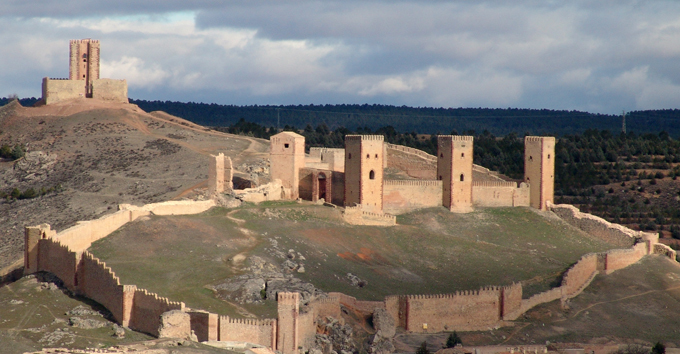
423,120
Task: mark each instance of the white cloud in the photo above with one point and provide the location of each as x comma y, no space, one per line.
137,73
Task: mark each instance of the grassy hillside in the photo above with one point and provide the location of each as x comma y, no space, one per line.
430,251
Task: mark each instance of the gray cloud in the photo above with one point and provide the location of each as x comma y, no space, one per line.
601,56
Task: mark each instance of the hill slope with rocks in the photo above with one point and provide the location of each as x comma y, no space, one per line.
89,156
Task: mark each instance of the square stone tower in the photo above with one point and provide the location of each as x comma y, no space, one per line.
364,156
84,62
454,169
288,317
220,174
287,157
539,169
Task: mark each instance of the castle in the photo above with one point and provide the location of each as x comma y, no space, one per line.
354,177
83,79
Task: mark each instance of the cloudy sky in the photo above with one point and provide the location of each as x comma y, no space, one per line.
599,56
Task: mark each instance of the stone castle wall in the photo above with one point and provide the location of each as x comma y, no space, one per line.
467,310
57,258
416,163
262,332
147,309
99,283
110,90
205,325
539,169
400,196
499,194
56,90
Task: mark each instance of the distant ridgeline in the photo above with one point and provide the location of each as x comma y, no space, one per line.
498,121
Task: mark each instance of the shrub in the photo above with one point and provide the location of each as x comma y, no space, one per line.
422,349
453,340
659,348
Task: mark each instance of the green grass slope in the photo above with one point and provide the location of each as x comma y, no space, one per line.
430,251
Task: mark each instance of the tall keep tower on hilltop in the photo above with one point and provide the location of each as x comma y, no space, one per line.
539,169
287,157
364,171
84,62
454,169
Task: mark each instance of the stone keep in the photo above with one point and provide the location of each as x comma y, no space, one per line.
539,169
220,174
454,169
364,155
84,62
287,157
288,316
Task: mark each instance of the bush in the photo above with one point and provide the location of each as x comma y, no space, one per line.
453,340
659,348
422,349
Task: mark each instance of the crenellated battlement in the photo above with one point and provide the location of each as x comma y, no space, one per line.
458,137
88,256
495,184
288,298
412,182
539,138
364,137
267,322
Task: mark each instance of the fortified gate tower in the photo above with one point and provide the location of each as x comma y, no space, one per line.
287,158
539,169
454,169
364,171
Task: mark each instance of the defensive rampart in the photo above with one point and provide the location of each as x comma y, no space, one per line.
262,332
416,163
110,90
55,90
401,196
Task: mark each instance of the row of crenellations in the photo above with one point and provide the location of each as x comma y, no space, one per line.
365,137
494,184
413,182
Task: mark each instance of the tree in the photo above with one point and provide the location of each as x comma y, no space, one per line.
453,340
422,349
659,348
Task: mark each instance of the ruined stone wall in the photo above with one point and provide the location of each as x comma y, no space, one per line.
467,310
205,325
57,90
306,329
110,90
262,332
98,282
54,257
579,274
596,226
454,169
364,156
396,307
539,169
664,250
270,191
401,196
542,298
32,236
618,259
329,306
147,309
366,307
305,184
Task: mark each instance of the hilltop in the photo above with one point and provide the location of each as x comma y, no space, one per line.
95,155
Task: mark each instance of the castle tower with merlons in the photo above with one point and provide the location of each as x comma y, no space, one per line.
288,322
84,62
539,169
454,169
364,171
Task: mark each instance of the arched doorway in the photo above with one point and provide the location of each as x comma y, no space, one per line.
322,185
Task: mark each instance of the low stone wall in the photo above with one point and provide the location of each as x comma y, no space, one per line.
402,196
366,307
596,226
357,216
270,191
